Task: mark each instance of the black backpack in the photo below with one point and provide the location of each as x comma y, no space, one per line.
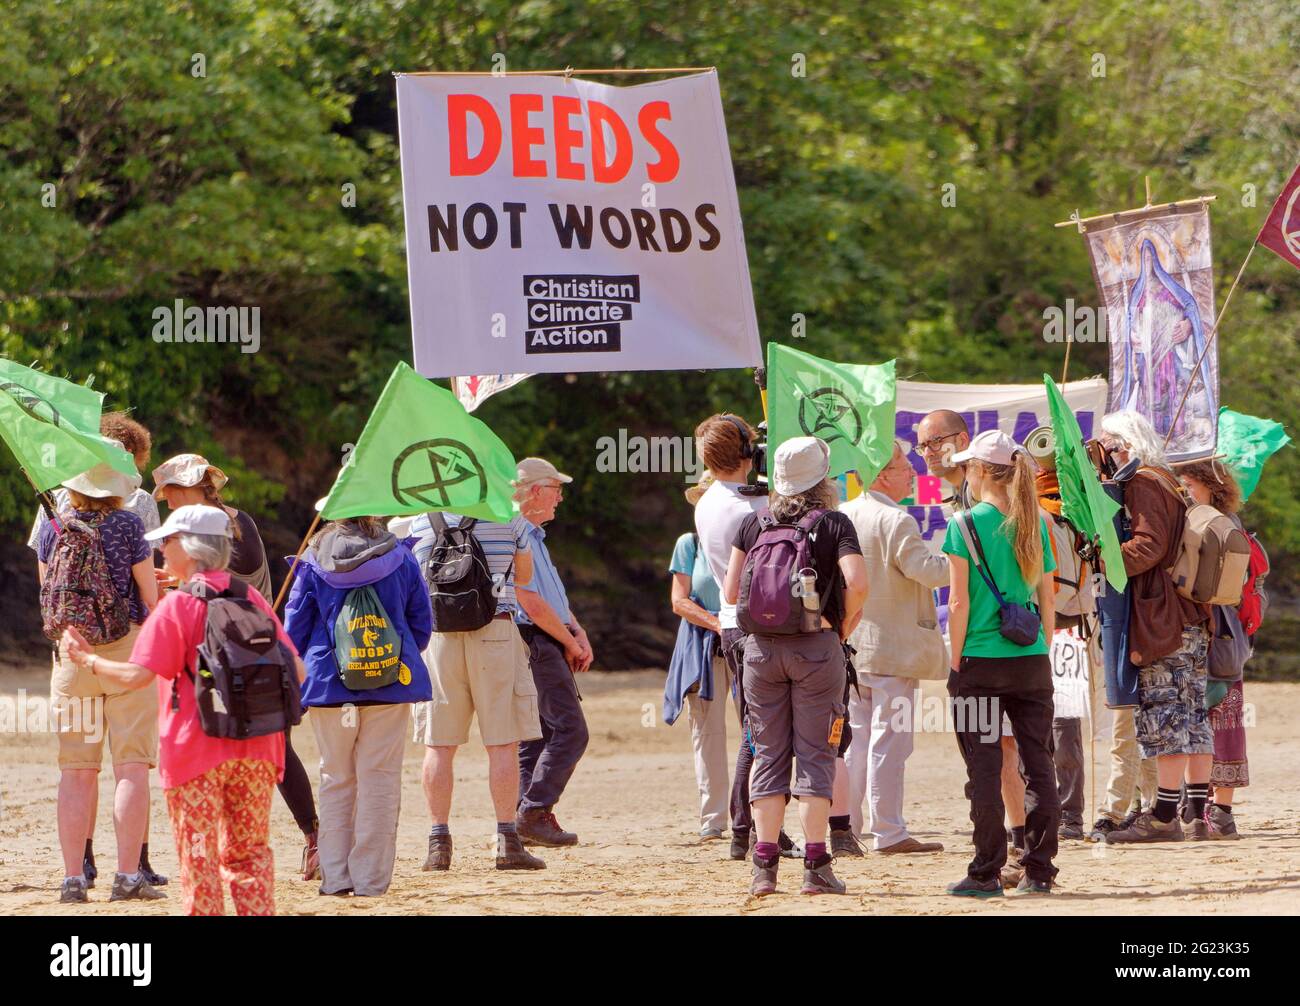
461,590
247,681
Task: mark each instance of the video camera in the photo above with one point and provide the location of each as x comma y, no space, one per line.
759,457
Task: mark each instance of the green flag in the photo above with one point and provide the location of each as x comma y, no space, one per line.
1246,442
52,426
850,406
1084,502
421,451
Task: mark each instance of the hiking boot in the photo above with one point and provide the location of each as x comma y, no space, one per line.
537,826
1101,829
739,844
969,887
1070,831
1028,885
511,854
1147,829
311,857
1197,830
764,877
1222,825
820,879
139,889
1011,874
909,846
844,843
148,872
710,834
73,891
439,857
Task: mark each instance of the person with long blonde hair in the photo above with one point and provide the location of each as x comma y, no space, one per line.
998,555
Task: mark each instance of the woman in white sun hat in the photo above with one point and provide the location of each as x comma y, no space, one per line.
88,709
218,789
998,555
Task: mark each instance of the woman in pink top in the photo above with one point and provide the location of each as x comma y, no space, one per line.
218,790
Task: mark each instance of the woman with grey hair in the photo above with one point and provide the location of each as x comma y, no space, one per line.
794,680
218,790
1167,633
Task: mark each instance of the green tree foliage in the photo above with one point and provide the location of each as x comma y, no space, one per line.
848,126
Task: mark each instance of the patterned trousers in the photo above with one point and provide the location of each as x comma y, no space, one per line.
222,825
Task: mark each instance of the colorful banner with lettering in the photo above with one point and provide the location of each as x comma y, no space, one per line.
555,224
1015,409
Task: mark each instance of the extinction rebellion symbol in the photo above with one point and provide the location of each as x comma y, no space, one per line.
434,466
32,403
828,413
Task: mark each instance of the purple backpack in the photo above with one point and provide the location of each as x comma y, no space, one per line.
771,602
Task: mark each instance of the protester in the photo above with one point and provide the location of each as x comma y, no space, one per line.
479,668
725,444
136,441
1166,634
698,673
939,437
1014,676
1211,484
558,648
898,645
85,707
218,790
794,683
188,479
357,592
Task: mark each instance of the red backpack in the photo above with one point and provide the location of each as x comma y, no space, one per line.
1254,599
78,589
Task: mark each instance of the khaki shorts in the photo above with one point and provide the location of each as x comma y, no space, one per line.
483,673
87,709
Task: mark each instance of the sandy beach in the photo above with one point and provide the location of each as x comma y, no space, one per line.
633,802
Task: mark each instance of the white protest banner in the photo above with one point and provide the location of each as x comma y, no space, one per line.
1069,656
555,224
476,389
1015,409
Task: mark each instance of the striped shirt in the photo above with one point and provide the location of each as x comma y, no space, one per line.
500,542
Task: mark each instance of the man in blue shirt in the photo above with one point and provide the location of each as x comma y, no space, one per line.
557,649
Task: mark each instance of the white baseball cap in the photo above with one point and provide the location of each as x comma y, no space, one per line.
531,470
799,464
193,518
993,447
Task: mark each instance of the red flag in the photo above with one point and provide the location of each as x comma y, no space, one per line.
1281,231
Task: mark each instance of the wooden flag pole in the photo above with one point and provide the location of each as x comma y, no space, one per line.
1209,342
284,589
1078,221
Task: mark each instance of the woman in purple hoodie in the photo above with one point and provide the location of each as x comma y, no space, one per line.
359,614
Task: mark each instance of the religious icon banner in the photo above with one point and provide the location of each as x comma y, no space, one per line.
1155,272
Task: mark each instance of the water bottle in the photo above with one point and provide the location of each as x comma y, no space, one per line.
811,620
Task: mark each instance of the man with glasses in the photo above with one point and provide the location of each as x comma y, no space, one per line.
898,643
940,435
558,648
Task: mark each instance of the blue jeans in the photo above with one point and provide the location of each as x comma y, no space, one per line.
546,765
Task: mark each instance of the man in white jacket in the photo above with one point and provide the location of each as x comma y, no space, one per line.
898,642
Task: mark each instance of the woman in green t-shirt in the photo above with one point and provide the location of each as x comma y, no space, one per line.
991,674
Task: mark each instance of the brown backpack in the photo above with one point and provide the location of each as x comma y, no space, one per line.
1214,555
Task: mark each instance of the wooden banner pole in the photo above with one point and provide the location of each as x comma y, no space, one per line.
284,589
